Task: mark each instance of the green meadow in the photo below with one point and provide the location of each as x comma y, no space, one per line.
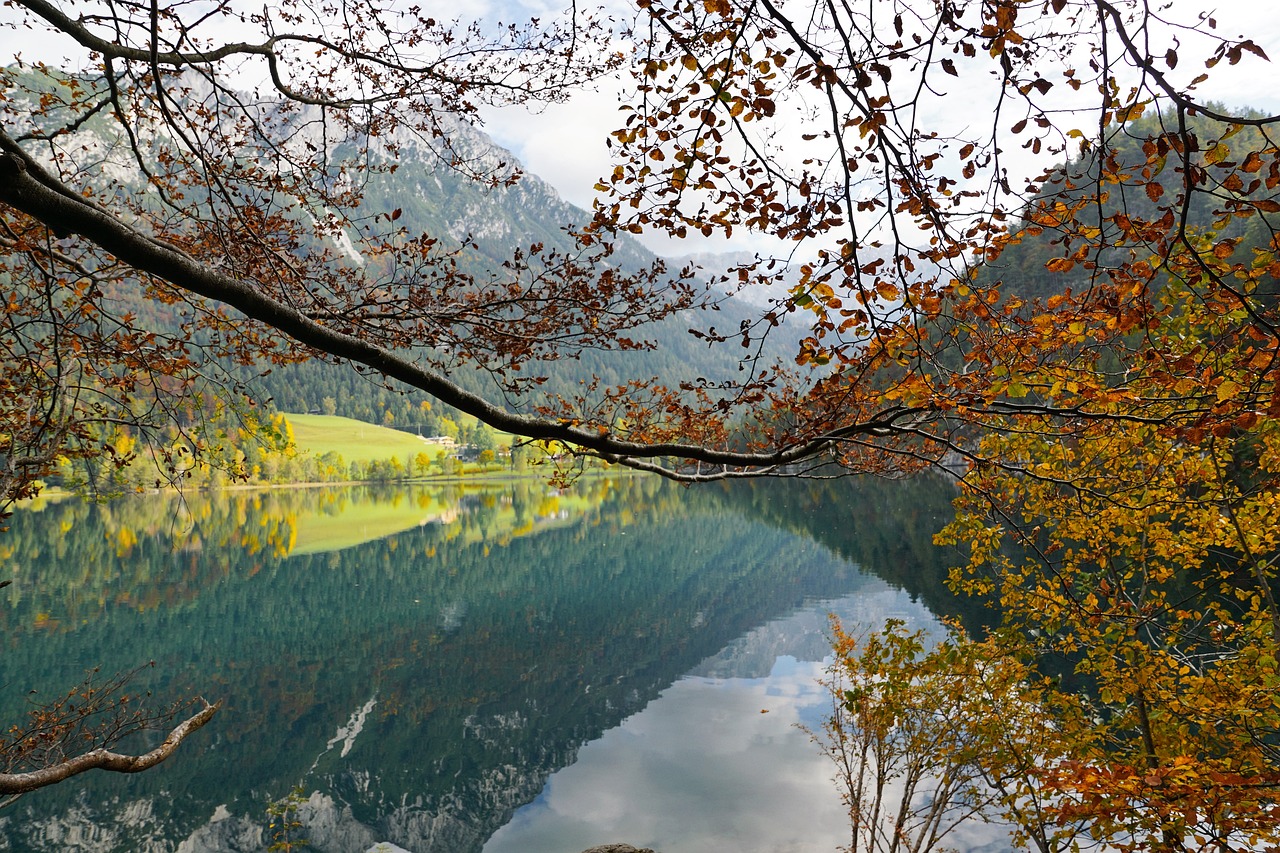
354,441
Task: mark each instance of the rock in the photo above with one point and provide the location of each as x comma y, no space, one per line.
618,848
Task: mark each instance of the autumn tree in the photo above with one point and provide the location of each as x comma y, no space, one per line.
207,163
820,129
931,733
1142,561
1133,566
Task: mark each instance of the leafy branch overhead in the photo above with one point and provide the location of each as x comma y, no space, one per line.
217,163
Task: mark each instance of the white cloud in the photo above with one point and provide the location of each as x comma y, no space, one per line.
719,763
757,784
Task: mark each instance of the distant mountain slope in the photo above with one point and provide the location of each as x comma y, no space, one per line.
496,221
442,201
420,182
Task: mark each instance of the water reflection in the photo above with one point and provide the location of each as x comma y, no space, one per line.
754,784
421,662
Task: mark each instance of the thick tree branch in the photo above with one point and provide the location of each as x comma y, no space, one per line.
105,759
26,186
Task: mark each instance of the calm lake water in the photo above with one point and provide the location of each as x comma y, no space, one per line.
502,669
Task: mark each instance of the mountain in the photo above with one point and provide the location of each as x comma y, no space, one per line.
495,221
420,181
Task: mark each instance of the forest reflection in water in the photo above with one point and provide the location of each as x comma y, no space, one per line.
421,660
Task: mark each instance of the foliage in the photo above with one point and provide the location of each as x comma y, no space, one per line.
286,448
893,212
899,743
283,822
1135,571
229,446
1145,563
165,236
926,736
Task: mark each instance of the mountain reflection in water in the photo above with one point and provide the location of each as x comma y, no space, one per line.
421,661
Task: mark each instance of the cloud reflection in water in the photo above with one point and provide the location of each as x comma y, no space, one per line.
703,770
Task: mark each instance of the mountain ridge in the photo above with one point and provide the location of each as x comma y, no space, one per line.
426,184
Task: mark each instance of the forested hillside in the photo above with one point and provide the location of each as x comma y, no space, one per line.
481,229
494,229
1045,259
486,224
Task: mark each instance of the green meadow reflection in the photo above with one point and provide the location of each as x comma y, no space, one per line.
420,660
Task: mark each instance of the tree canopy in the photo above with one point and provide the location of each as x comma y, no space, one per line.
1129,692
211,161
206,164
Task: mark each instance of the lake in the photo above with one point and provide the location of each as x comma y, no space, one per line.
499,668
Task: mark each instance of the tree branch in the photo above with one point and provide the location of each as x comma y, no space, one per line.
25,185
105,759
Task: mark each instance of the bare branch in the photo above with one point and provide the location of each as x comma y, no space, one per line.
105,759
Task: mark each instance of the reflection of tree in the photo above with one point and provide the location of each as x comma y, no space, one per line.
490,660
142,549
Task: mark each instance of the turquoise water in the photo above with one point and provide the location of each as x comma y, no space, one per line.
504,669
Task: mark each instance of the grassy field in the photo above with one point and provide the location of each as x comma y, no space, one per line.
355,441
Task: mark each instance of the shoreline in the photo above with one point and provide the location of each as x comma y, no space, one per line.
60,493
